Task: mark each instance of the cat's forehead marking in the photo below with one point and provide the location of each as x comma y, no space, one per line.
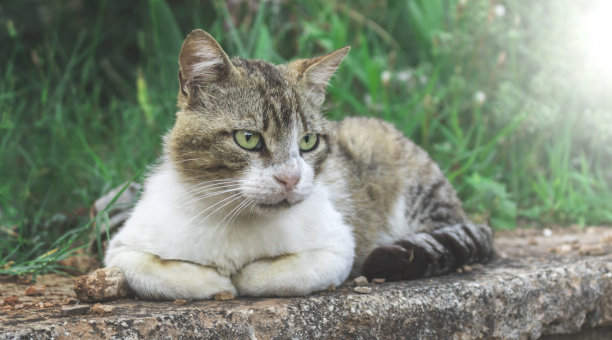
279,100
260,69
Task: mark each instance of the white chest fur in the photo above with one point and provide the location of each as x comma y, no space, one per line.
164,224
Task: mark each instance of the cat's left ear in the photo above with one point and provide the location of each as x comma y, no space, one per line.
315,73
202,61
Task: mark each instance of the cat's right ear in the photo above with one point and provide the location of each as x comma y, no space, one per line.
315,73
202,61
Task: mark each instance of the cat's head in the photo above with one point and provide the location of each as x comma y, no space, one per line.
250,133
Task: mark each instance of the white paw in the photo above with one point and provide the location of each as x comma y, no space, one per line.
272,279
213,284
168,280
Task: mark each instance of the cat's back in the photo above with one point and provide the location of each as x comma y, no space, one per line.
381,159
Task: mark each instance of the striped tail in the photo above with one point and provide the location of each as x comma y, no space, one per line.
431,253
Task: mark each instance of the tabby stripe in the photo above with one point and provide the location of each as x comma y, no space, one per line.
430,194
285,110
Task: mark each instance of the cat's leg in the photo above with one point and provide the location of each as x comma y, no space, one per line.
154,278
294,274
431,253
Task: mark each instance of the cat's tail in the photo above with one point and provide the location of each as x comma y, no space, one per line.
431,253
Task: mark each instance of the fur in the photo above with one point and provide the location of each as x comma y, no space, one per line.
278,220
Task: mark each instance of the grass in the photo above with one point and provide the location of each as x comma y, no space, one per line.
87,91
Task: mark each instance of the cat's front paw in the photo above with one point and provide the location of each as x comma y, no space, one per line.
153,278
214,284
258,279
275,278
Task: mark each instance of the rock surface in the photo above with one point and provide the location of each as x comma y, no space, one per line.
527,292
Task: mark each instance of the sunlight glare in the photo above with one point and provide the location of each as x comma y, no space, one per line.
597,36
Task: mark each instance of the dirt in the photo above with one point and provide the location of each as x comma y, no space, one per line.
54,294
571,241
58,291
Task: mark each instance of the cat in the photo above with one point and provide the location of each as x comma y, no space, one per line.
257,194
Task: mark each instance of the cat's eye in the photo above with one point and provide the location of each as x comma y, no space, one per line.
309,142
248,140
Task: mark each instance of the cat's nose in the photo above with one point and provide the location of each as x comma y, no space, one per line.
288,181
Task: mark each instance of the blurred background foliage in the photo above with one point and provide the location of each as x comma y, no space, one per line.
512,98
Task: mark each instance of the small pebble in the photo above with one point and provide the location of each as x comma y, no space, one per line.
47,304
179,302
103,284
561,249
532,242
361,281
331,288
11,300
478,266
467,268
101,309
378,280
222,296
362,290
587,249
575,244
70,301
547,232
35,290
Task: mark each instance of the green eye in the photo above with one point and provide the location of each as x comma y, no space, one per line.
248,140
309,142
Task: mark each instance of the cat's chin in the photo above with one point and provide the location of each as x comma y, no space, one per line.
274,208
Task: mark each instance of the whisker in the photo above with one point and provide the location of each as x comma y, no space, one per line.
197,193
216,193
232,214
208,208
198,186
209,185
231,220
234,197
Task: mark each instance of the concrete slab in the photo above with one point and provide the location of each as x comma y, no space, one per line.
529,291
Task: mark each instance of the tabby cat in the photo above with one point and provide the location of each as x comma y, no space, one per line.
258,194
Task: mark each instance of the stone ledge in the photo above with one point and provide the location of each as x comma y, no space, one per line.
516,297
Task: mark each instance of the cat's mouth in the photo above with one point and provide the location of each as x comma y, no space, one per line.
283,204
278,205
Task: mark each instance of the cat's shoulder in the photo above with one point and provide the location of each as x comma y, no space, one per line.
372,141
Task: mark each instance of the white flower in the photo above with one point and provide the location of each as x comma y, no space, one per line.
385,76
499,10
404,75
371,104
480,97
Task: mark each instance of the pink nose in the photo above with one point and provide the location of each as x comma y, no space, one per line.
288,181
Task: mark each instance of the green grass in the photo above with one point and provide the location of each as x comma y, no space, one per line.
87,91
